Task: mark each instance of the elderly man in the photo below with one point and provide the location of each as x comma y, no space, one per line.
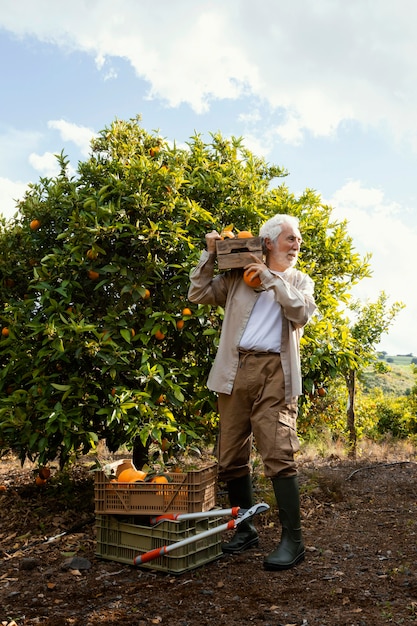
257,376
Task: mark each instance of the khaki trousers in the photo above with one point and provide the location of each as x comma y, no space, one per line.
256,408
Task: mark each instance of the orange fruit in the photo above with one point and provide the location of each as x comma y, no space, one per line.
132,332
162,480
91,254
113,391
251,280
227,234
3,488
140,476
131,475
161,399
34,225
147,294
244,234
187,312
180,324
5,331
321,391
154,151
40,482
159,335
44,472
92,275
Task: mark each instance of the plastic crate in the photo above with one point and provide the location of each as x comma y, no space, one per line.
190,492
120,539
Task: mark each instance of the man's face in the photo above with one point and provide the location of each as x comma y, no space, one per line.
283,252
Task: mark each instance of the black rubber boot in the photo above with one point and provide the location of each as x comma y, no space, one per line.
246,536
290,550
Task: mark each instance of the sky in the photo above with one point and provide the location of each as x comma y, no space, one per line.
326,89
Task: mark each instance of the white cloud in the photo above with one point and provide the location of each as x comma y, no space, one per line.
10,193
318,62
81,136
376,226
46,164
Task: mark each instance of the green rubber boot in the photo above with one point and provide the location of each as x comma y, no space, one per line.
246,536
290,550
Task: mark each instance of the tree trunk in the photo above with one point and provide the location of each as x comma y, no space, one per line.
351,386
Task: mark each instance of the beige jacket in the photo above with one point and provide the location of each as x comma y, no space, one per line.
294,292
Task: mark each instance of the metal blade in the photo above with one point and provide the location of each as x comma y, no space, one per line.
254,510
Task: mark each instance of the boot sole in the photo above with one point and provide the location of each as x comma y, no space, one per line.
246,546
278,567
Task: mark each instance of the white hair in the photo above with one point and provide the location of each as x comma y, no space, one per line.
273,227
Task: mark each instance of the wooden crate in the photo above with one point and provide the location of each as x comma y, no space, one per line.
233,253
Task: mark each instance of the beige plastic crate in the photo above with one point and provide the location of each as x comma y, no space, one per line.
190,492
121,540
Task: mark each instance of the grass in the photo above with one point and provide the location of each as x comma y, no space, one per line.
398,381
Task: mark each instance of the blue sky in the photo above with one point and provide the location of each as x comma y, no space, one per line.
326,89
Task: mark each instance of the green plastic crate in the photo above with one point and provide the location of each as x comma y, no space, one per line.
120,539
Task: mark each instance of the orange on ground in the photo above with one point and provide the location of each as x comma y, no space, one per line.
5,331
3,488
244,234
34,225
180,324
92,275
251,280
40,482
159,335
44,472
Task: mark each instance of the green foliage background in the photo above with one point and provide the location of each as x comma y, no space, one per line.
81,361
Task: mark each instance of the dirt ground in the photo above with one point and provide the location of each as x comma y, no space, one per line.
359,521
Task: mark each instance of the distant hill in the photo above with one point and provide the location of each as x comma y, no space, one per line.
398,381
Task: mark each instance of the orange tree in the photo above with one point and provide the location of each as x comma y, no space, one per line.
101,341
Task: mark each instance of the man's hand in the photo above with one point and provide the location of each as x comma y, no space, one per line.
257,266
211,239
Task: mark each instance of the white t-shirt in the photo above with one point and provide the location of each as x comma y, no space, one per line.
263,330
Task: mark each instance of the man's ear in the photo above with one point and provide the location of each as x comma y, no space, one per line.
267,244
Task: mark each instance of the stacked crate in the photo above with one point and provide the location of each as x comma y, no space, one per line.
124,510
